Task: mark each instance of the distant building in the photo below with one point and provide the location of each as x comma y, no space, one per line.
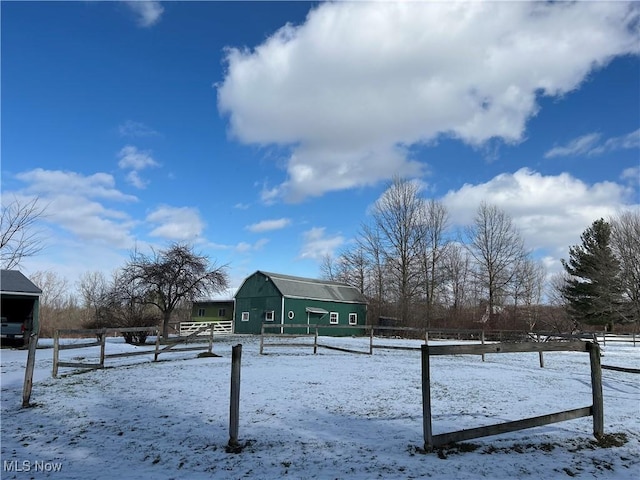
212,311
273,298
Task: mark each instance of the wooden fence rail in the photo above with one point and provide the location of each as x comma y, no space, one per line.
102,333
596,409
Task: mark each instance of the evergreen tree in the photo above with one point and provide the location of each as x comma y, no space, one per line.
593,290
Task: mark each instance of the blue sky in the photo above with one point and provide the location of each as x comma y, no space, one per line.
262,132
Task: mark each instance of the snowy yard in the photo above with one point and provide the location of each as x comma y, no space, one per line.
303,416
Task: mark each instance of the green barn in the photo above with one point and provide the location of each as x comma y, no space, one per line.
272,298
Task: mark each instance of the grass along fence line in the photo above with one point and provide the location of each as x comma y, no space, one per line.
169,346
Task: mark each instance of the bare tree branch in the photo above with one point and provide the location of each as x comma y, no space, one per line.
19,238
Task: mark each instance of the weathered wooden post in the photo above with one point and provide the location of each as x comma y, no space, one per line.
211,326
262,340
596,390
28,374
157,352
370,339
315,341
426,399
103,345
56,353
482,342
540,354
234,407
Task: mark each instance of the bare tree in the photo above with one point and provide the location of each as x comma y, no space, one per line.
94,288
625,242
397,216
526,290
168,277
497,248
57,305
457,270
19,238
432,249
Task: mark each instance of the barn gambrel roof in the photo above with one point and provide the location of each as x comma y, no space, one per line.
12,281
313,289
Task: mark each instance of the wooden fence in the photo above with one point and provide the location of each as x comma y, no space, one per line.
101,335
596,410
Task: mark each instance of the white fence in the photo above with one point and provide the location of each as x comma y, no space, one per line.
222,327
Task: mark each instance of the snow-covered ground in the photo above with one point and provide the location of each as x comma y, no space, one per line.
330,415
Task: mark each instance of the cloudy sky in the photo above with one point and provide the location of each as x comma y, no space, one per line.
262,132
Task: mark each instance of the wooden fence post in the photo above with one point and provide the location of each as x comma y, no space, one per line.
157,352
371,340
426,399
315,341
28,374
211,338
262,340
234,407
540,354
56,352
482,341
596,390
103,342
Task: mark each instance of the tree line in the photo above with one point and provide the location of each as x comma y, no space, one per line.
413,268
148,290
416,271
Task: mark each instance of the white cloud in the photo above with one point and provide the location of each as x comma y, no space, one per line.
551,211
577,146
632,175
267,225
316,244
624,142
591,145
52,182
134,179
244,247
148,12
76,204
357,83
135,160
131,157
176,223
136,129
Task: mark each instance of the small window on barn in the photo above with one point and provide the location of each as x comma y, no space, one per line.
291,314
333,318
353,319
201,312
245,316
222,312
269,316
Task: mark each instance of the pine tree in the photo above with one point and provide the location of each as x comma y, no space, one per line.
593,290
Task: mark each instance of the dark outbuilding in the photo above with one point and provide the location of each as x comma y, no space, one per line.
19,304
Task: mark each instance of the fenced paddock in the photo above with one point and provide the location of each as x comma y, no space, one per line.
172,345
373,337
596,410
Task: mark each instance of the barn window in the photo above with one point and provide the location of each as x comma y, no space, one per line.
245,316
269,316
201,312
222,312
333,317
291,314
353,319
